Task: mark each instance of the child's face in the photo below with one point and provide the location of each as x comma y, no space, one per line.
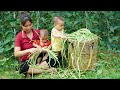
43,39
59,25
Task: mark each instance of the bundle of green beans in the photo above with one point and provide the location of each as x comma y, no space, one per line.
52,55
82,35
33,57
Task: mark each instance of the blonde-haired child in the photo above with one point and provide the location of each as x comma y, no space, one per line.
57,35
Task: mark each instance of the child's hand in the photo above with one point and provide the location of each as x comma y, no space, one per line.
37,46
45,47
62,36
44,58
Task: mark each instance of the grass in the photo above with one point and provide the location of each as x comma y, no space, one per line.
107,68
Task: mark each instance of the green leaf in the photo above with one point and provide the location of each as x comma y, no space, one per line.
114,38
7,48
12,24
12,46
43,19
117,51
116,27
7,41
110,40
102,55
99,71
1,50
7,33
111,29
76,22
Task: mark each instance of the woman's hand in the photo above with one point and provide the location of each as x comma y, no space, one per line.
19,53
33,50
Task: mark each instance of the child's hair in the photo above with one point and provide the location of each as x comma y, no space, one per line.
44,32
56,18
24,17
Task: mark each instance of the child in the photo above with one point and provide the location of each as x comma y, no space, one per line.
57,34
42,43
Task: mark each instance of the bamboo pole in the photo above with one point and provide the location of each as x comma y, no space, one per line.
38,14
86,17
14,31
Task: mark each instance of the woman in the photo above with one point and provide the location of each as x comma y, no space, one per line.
23,44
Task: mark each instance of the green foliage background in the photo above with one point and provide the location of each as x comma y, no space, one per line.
105,24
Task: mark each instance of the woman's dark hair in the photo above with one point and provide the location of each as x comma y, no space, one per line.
24,17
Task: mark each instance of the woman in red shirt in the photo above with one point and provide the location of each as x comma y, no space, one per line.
23,44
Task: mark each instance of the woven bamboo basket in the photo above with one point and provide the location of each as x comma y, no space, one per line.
83,58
